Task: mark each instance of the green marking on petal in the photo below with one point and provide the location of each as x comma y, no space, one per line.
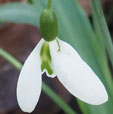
46,66
46,58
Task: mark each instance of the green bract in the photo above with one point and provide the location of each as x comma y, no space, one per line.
48,25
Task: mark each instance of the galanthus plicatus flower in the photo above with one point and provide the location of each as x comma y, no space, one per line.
57,58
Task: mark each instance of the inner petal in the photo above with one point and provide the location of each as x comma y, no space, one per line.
46,61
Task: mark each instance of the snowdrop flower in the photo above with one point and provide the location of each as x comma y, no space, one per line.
57,58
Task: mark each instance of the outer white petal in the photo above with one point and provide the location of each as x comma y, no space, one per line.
76,75
30,81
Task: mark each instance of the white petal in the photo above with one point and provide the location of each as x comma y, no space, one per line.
30,81
76,75
52,75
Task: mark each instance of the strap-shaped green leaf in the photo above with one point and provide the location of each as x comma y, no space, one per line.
98,13
19,13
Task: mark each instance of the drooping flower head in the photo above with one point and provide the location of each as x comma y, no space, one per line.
57,58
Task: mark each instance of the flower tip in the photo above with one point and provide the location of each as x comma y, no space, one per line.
105,99
101,100
27,109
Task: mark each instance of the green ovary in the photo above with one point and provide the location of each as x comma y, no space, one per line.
45,57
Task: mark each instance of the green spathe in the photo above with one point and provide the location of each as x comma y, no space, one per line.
48,25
